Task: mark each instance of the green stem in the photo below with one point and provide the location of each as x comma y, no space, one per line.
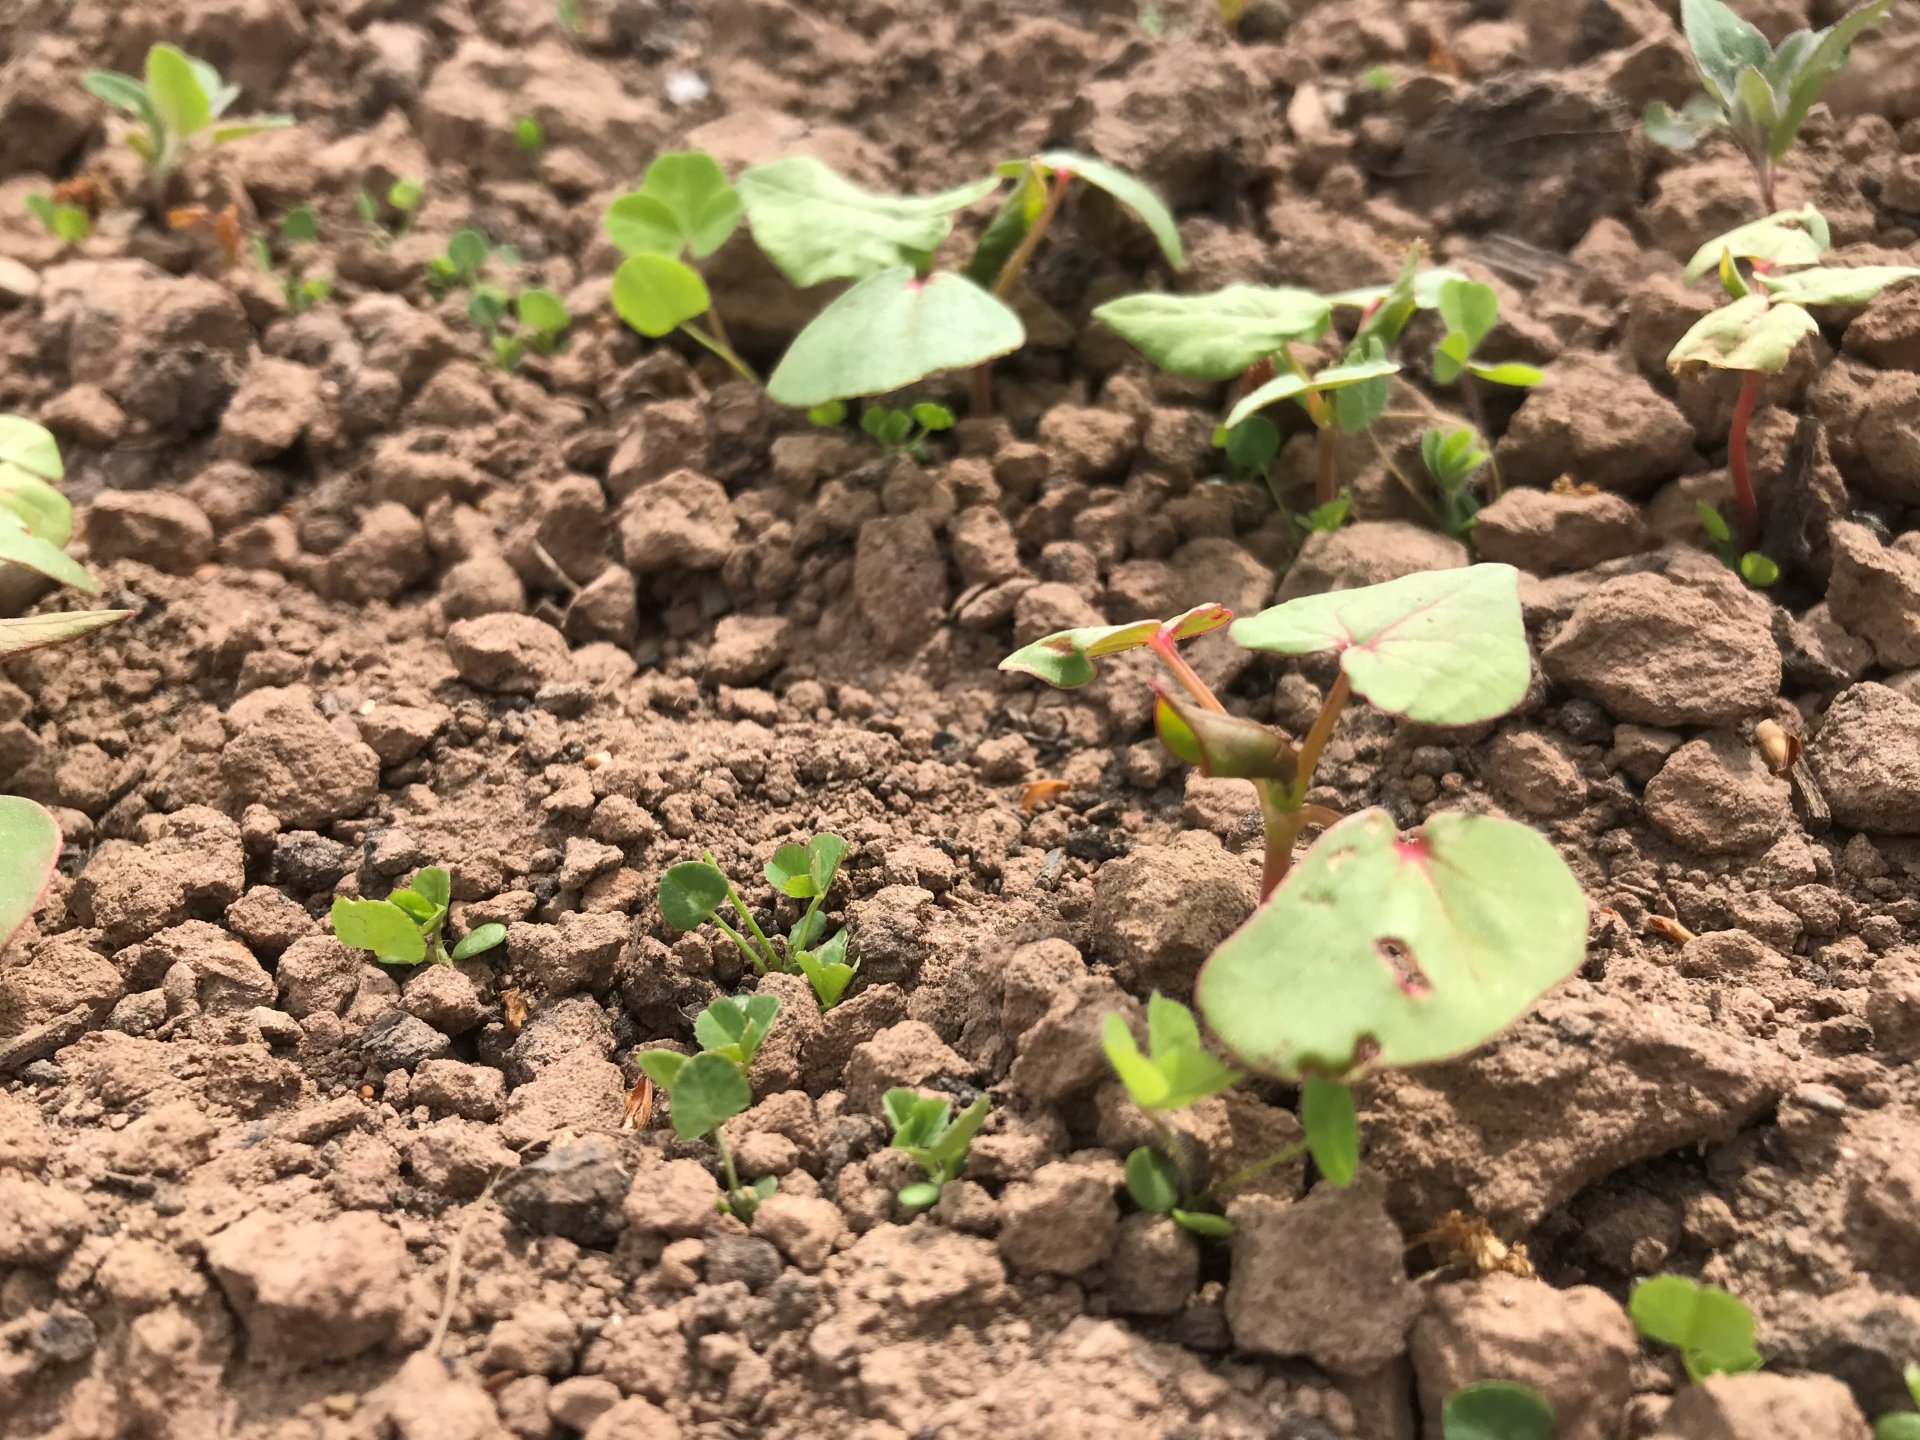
1280,826
1477,408
753,958
736,1196
1255,1170
723,350
766,945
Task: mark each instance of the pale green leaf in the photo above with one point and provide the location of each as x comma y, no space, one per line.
1747,334
1332,1128
1065,659
1496,1410
1444,647
1388,950
252,125
123,92
1130,191
30,446
1216,336
788,872
816,225
1508,372
1288,387
1712,1329
29,848
176,91
707,1091
1152,1181
1810,72
1789,238
1836,284
480,940
1723,44
889,331
42,509
19,546
385,929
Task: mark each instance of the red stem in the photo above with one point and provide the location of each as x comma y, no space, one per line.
1326,484
1743,495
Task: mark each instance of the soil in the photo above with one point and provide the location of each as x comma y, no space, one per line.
562,628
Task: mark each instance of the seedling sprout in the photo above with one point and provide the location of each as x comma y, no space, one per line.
710,1088
927,1129
1902,1424
408,927
403,198
693,892
180,102
63,219
1712,1329
1497,1410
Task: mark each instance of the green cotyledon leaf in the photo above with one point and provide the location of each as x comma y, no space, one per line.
1065,659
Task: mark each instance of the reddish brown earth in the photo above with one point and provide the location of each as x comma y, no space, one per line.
561,629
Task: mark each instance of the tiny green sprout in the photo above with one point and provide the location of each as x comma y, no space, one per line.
1176,1070
403,198
1453,458
539,320
1426,945
1767,316
1157,1186
70,223
1497,1410
1758,93
826,416
459,266
927,1129
530,135
406,927
691,894
710,1088
1378,78
1895,1425
684,207
905,432
180,101
1711,1328
1754,567
298,229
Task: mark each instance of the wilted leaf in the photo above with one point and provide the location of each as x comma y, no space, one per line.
1130,191
1288,387
1065,659
1747,334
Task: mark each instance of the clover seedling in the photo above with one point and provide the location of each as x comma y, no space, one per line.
531,136
1712,1329
710,1088
1760,327
684,207
1382,948
1895,1425
406,927
1497,1410
692,893
539,319
180,101
63,219
459,266
927,1129
1758,94
403,198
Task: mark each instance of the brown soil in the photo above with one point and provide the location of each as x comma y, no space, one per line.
563,628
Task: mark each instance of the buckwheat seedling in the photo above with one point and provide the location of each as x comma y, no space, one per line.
408,927
710,1088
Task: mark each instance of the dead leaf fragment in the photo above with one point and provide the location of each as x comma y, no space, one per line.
1466,1242
1779,746
1043,792
639,1108
1671,929
514,1005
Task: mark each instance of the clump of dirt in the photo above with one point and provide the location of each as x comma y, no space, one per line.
561,628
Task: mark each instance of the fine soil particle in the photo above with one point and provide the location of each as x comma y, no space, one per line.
561,628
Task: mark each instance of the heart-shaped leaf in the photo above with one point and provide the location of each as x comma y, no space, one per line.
1496,1410
30,446
824,854
1711,1328
34,632
1748,334
1381,949
690,892
1130,191
1445,647
1289,387
707,1091
1789,238
788,873
1836,285
1065,659
1216,336
385,929
816,225
663,1067
29,849
656,294
890,330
